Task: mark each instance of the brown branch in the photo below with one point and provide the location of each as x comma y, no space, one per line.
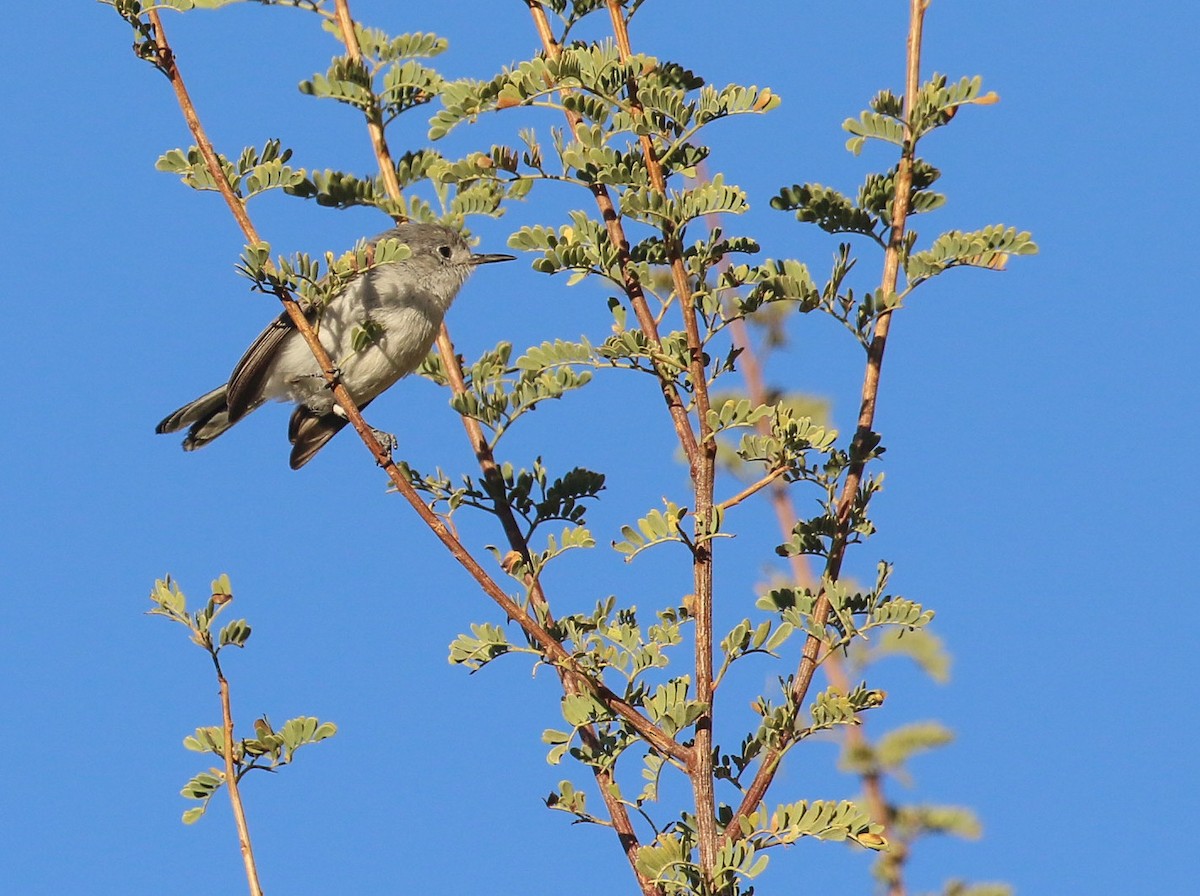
810,655
872,782
679,277
703,470
166,64
551,647
232,785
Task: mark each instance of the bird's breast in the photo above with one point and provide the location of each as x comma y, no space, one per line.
382,347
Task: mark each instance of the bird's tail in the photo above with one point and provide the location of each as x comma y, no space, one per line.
308,432
205,419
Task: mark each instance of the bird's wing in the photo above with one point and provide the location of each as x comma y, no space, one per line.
246,381
248,377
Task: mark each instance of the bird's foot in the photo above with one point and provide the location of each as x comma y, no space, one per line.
386,440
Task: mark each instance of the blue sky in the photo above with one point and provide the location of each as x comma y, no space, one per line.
1039,496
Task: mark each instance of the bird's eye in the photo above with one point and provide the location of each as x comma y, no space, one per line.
444,251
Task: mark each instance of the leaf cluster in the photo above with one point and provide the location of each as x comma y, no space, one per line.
170,601
404,83
498,393
319,282
531,495
871,212
269,749
853,612
668,865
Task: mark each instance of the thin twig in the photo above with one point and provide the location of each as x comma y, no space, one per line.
552,648
810,655
232,785
755,488
877,805
387,168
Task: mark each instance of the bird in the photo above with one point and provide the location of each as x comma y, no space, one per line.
377,329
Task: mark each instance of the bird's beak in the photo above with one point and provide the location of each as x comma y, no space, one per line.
489,259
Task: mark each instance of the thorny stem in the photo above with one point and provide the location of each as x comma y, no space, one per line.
810,655
487,462
231,783
551,647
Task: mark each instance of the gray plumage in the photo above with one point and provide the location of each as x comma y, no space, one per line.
401,303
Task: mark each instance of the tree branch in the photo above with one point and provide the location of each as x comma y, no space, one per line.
703,474
810,655
756,487
387,168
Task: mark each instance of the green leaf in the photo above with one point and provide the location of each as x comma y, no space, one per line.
567,799
871,125
827,208
234,633
202,786
487,643
210,739
561,743
169,600
988,248
822,819
657,527
583,709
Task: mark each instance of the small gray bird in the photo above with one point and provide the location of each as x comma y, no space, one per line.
400,305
